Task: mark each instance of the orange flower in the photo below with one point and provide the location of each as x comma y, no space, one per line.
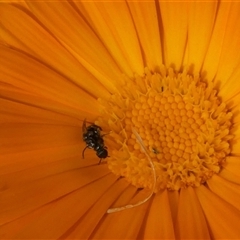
167,71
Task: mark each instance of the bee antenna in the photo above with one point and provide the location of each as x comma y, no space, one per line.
118,209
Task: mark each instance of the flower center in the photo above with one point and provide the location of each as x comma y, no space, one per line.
182,122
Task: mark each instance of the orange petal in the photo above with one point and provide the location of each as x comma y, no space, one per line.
222,218
29,169
21,3
71,30
145,18
229,60
230,176
87,225
64,212
235,145
12,112
159,224
173,201
191,223
229,192
24,77
230,88
233,104
201,17
129,221
222,59
16,137
174,20
18,201
33,155
22,98
19,30
211,62
231,168
113,24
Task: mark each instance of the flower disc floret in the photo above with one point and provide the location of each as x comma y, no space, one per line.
182,122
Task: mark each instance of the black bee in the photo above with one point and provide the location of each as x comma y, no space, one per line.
94,140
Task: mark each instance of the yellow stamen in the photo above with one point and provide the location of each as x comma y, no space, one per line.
182,122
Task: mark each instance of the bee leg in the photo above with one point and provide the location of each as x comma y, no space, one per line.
84,151
100,160
120,177
106,134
